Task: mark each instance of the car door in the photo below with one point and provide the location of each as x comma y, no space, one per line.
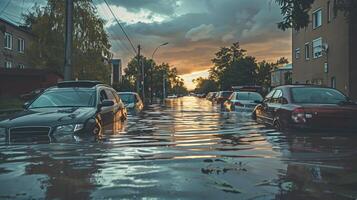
105,112
115,109
262,110
273,105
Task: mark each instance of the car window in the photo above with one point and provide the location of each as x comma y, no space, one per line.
111,96
277,96
233,96
102,96
307,95
249,96
127,98
269,96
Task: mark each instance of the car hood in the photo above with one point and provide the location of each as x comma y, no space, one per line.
47,117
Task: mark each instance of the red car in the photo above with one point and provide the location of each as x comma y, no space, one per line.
307,107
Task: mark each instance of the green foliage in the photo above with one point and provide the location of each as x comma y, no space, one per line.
296,16
203,86
90,41
233,67
154,77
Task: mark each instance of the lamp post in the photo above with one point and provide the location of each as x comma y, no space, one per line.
163,81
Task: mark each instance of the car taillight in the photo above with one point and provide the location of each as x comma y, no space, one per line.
298,115
238,104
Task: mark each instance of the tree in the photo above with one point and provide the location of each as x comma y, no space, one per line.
91,46
233,67
154,77
203,85
295,12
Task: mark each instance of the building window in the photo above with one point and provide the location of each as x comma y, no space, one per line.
333,82
329,11
8,41
317,48
297,53
21,66
317,19
20,45
8,64
307,51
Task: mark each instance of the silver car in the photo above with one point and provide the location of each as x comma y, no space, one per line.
243,101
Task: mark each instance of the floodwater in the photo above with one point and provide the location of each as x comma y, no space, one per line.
187,149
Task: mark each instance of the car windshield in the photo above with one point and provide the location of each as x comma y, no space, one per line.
225,94
305,95
127,98
72,97
249,96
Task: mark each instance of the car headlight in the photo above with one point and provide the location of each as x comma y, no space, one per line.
68,129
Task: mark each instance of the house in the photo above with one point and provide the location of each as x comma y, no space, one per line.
17,76
13,47
281,75
324,53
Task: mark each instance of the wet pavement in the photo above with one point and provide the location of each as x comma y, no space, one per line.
187,149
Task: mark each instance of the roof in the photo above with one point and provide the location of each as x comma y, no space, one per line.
301,85
21,28
284,67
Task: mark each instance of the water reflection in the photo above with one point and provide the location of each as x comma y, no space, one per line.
185,149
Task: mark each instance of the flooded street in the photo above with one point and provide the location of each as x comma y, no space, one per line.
187,149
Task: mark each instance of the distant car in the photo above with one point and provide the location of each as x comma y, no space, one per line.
307,107
70,109
174,96
243,101
222,96
132,101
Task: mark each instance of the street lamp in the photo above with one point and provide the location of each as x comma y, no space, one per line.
163,78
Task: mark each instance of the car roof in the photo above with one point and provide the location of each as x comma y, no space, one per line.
302,85
133,93
81,84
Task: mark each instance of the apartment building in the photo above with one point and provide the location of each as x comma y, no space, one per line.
324,53
13,46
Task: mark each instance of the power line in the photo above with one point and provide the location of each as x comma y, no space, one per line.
121,27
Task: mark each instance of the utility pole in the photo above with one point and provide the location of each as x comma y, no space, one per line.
163,86
68,43
142,76
138,72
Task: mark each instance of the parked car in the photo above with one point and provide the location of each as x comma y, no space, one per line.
243,101
132,101
307,107
211,95
222,96
71,108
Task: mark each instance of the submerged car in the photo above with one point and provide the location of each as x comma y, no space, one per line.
68,109
307,107
243,101
132,100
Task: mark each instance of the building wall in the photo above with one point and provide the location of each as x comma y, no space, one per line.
13,55
353,56
336,34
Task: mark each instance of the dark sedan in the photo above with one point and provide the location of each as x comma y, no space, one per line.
307,107
65,111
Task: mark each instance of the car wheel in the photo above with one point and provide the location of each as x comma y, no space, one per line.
97,129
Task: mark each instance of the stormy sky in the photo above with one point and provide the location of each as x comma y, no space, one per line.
194,29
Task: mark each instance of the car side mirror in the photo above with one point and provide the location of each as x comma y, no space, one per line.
105,103
284,100
26,105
